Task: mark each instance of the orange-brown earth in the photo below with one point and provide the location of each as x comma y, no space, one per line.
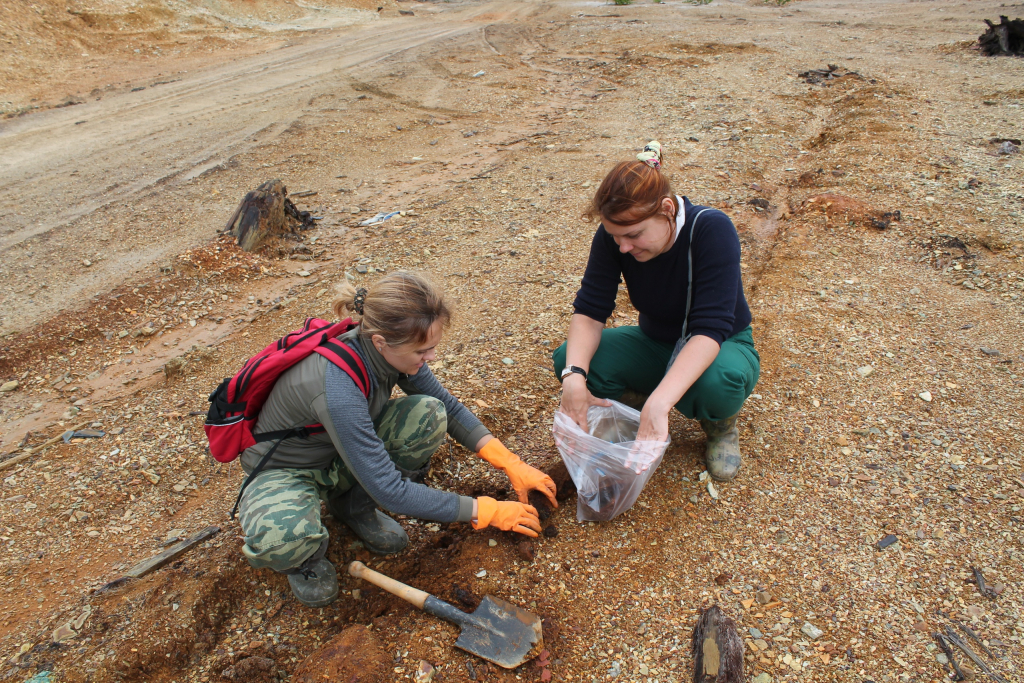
890,394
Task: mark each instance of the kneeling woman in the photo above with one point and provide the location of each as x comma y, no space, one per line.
375,449
693,348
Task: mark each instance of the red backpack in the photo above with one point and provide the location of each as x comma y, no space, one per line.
235,405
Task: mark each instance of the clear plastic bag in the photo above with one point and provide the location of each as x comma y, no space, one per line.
609,468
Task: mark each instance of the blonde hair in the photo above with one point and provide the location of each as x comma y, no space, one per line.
400,307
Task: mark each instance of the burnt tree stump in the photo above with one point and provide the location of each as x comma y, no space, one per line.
1004,38
717,649
264,213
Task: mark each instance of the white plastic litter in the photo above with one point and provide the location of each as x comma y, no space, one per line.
608,466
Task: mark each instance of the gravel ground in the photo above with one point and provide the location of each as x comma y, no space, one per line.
889,402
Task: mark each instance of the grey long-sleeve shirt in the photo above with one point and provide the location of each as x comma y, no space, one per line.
315,390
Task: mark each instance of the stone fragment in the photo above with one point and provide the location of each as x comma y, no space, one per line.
762,678
763,598
865,370
811,631
887,541
925,396
424,672
526,551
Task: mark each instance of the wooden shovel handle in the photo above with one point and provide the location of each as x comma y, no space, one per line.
407,593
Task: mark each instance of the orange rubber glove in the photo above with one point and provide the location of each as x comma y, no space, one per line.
506,515
523,477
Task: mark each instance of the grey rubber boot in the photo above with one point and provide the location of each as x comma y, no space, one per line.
378,532
315,582
723,449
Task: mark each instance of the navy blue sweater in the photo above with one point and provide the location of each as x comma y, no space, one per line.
657,288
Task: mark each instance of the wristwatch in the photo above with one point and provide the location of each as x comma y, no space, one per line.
570,369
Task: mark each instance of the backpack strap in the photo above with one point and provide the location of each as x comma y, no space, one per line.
689,275
339,353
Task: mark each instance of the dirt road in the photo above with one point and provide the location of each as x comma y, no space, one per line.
889,401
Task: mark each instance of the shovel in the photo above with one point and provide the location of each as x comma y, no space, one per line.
497,631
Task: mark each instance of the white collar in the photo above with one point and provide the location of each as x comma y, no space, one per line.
680,217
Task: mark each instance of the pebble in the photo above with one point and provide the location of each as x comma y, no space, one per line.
481,574
507,361
357,594
763,598
491,542
886,542
865,370
174,534
615,669
762,678
989,352
9,386
811,631
925,396
424,672
783,537
712,489
526,551
361,268
303,273
941,658
754,633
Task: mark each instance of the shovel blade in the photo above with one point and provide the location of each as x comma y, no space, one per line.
506,635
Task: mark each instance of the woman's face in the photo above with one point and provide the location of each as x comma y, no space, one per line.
648,238
409,358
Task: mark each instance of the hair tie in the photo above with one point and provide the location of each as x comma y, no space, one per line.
651,154
358,300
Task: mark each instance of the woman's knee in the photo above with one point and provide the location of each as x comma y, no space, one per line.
719,393
413,429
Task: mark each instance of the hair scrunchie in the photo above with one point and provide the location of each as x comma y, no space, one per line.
651,154
358,300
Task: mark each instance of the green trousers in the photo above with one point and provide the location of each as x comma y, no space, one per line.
280,510
629,359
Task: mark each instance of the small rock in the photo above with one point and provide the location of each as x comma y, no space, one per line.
303,273
424,672
762,678
491,542
174,535
968,672
642,629
86,262
989,352
763,598
694,499
712,489
754,633
723,579
173,367
361,268
9,386
357,594
178,488
481,574
941,658
153,477
886,542
834,481
865,370
615,669
782,536
811,631
526,551
550,531
507,361
915,290
938,533
925,396
922,627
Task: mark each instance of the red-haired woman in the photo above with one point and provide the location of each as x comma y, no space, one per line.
693,349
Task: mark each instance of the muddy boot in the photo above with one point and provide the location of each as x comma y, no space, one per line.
633,399
723,449
315,582
378,532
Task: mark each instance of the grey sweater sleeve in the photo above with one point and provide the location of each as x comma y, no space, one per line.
343,413
463,425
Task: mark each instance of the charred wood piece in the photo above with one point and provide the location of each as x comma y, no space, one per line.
827,76
264,213
717,649
948,651
1004,38
982,587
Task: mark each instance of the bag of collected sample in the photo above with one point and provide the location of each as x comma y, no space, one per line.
609,468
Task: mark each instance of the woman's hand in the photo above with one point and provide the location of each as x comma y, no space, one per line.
577,399
653,421
522,477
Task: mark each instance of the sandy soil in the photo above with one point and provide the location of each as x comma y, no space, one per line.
890,395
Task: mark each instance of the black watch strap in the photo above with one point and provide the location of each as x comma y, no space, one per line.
570,369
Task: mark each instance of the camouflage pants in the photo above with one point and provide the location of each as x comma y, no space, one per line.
280,509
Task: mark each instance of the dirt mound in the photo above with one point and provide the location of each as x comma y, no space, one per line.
853,211
353,656
48,41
